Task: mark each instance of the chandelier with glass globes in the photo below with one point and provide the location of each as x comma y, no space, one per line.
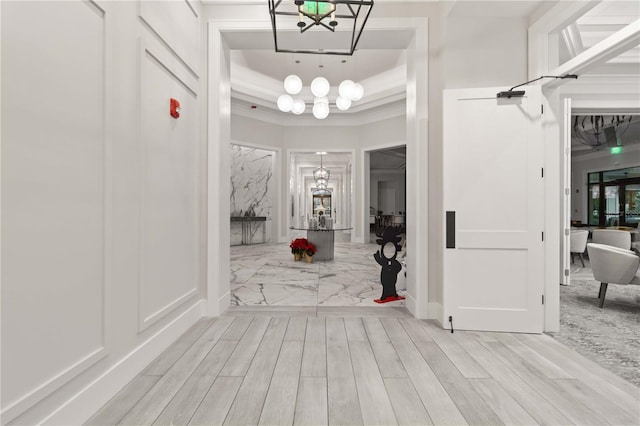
321,174
348,92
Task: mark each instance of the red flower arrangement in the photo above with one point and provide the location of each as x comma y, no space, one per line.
302,246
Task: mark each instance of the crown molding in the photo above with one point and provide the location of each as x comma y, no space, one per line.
336,118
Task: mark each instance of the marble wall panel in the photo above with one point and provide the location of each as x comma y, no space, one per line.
252,184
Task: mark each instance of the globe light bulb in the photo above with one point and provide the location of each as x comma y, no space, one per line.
347,89
285,103
343,104
358,92
293,84
321,111
298,106
320,87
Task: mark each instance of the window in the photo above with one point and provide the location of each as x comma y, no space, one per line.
614,197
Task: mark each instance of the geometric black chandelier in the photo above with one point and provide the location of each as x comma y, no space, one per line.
600,130
288,15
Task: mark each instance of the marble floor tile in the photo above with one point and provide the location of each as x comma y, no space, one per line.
267,275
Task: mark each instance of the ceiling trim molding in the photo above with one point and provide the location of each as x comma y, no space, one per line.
336,118
599,53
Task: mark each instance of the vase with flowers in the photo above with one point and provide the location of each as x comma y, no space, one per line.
298,247
309,251
301,247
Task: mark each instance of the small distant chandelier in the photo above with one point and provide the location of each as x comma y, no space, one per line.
321,174
325,14
599,130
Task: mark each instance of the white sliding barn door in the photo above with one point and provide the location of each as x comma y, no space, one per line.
493,201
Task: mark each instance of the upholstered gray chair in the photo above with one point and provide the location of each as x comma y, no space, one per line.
613,265
578,243
612,237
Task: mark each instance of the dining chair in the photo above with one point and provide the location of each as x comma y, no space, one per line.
613,265
612,237
578,243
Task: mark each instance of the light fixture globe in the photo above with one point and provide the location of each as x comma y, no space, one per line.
358,92
298,106
320,87
343,104
321,111
293,84
321,183
323,100
321,173
347,89
285,103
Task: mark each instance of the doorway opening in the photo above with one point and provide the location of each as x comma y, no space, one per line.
387,190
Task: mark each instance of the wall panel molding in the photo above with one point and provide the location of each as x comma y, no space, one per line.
146,322
177,25
81,406
47,181
169,246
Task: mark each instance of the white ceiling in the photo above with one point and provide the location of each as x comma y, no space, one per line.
257,71
365,63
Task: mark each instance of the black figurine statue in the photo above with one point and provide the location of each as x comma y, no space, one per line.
390,266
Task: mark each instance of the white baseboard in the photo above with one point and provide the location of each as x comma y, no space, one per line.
224,302
435,311
81,406
409,303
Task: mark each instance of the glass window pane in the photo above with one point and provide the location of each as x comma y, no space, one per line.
628,173
594,200
612,205
594,177
632,205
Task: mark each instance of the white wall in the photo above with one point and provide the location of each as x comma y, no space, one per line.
386,180
485,52
100,187
581,166
256,132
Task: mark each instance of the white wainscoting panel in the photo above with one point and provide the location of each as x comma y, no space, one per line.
169,209
177,24
53,198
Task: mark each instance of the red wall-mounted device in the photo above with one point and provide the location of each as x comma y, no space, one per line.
174,108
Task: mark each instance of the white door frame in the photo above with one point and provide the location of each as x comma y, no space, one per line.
365,178
565,277
218,115
543,43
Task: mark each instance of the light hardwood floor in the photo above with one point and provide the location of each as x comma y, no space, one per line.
363,366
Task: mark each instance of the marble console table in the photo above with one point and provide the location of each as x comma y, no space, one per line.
323,239
249,227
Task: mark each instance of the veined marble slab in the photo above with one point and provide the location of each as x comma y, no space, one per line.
267,275
252,187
